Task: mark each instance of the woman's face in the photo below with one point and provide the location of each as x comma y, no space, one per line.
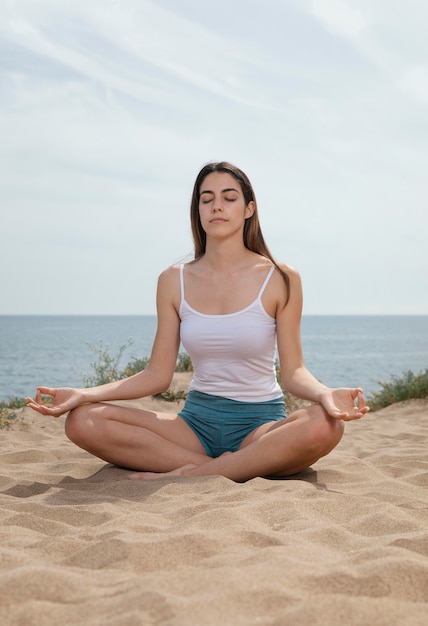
222,205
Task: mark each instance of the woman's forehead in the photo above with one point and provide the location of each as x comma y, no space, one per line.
219,180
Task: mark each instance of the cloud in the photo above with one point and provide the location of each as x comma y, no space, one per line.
108,110
340,18
391,36
415,81
139,64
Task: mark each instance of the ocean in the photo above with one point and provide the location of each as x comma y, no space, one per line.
339,350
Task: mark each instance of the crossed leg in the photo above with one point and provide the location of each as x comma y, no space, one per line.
274,449
134,438
162,444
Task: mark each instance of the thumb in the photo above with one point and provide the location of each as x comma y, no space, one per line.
46,390
355,392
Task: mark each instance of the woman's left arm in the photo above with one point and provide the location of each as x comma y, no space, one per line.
343,403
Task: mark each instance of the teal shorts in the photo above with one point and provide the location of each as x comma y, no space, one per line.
222,424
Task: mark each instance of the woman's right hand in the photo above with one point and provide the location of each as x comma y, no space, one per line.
64,399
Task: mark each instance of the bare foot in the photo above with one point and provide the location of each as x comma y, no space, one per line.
180,471
184,470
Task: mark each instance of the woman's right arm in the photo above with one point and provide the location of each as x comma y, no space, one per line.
155,378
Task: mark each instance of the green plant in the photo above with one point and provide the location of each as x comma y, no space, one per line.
106,367
397,389
13,403
172,395
134,366
184,363
6,417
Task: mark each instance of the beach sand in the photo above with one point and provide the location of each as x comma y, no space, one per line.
343,543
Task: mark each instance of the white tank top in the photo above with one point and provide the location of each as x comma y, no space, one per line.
233,355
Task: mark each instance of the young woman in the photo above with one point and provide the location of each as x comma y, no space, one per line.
231,307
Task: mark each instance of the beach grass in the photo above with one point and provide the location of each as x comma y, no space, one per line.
408,386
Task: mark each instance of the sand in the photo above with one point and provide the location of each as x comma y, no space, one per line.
344,543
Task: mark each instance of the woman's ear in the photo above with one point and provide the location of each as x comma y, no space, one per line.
249,209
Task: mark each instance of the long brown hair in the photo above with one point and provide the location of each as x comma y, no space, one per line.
253,237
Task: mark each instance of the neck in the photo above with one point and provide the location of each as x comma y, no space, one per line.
226,255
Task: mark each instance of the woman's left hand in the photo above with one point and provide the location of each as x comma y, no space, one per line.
345,404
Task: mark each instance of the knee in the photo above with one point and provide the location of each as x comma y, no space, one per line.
326,431
77,425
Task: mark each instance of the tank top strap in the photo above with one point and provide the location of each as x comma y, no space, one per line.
259,295
182,282
265,282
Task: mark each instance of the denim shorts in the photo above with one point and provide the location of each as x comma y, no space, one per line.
222,424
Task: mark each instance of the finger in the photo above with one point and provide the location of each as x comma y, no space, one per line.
47,410
362,405
47,391
39,408
361,399
356,414
333,411
39,392
355,392
31,402
351,418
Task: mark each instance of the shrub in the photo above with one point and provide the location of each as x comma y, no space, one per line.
6,417
397,389
134,366
172,395
106,367
184,363
13,403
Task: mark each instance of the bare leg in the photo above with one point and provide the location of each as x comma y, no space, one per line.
134,438
275,449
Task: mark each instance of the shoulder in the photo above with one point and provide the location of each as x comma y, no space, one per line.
291,272
168,290
290,289
173,271
292,276
170,275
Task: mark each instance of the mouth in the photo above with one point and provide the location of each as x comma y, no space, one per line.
217,220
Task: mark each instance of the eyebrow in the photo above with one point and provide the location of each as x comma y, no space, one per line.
222,191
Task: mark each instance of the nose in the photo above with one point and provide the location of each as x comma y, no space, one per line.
217,205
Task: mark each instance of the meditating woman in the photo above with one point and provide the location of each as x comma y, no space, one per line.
234,308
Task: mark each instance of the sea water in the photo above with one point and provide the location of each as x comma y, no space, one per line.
339,350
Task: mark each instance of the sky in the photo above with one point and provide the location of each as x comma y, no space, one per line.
108,110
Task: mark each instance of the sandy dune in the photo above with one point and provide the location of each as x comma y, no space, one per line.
343,543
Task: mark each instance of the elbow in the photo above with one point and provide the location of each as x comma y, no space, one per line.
155,381
288,380
162,387
285,380
161,384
